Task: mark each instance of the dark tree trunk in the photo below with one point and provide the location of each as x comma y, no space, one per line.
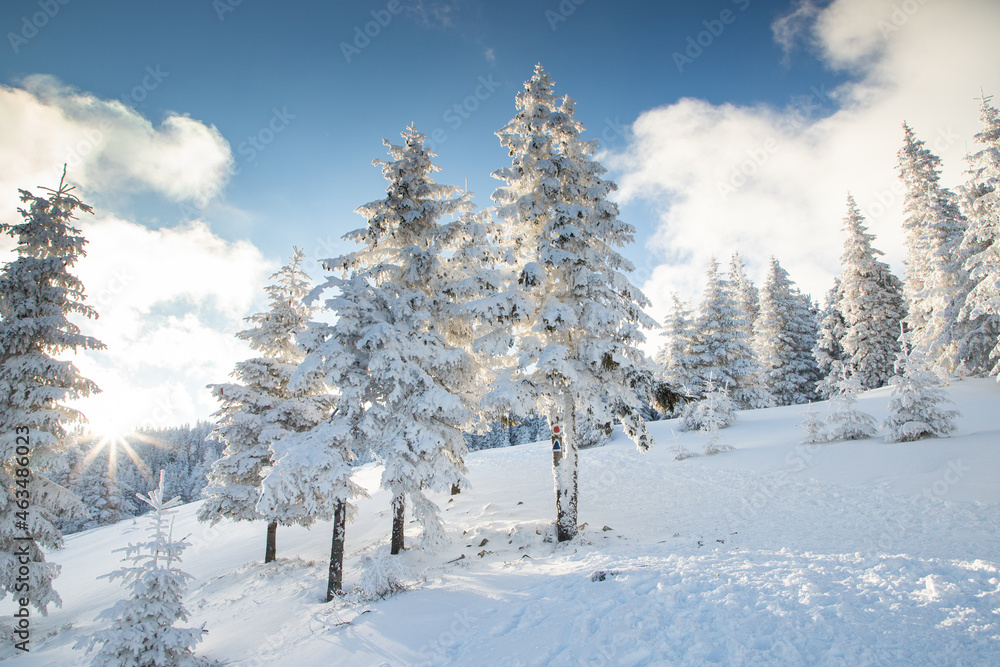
398,515
455,489
271,549
564,469
335,583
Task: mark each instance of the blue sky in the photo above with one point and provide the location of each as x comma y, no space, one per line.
242,128
232,66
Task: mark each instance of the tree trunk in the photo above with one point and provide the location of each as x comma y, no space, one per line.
564,469
455,489
398,515
271,549
335,583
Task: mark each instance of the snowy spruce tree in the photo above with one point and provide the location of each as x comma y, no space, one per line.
142,628
871,303
845,421
980,198
745,293
721,348
784,338
719,413
406,388
936,281
713,412
915,409
261,407
814,426
572,335
674,361
310,475
38,296
828,352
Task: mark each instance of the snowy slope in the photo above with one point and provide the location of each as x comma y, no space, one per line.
776,553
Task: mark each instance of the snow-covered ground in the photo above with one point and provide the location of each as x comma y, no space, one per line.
776,553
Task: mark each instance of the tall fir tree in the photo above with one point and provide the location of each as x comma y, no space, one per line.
38,296
422,388
828,352
980,197
745,293
261,407
674,362
721,349
571,341
871,303
310,477
936,281
784,338
142,628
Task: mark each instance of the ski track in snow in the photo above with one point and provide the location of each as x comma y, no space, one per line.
852,553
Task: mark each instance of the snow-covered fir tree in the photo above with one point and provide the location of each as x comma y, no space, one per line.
745,293
784,338
714,411
142,628
871,303
404,387
260,408
574,317
310,476
980,198
38,297
915,409
719,413
936,281
829,353
845,421
814,426
721,349
674,361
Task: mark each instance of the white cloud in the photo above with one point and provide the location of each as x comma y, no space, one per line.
169,302
169,299
108,146
773,181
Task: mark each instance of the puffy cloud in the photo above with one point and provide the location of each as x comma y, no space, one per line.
109,147
765,180
169,299
169,302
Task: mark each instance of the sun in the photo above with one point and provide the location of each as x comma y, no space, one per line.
110,431
113,435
